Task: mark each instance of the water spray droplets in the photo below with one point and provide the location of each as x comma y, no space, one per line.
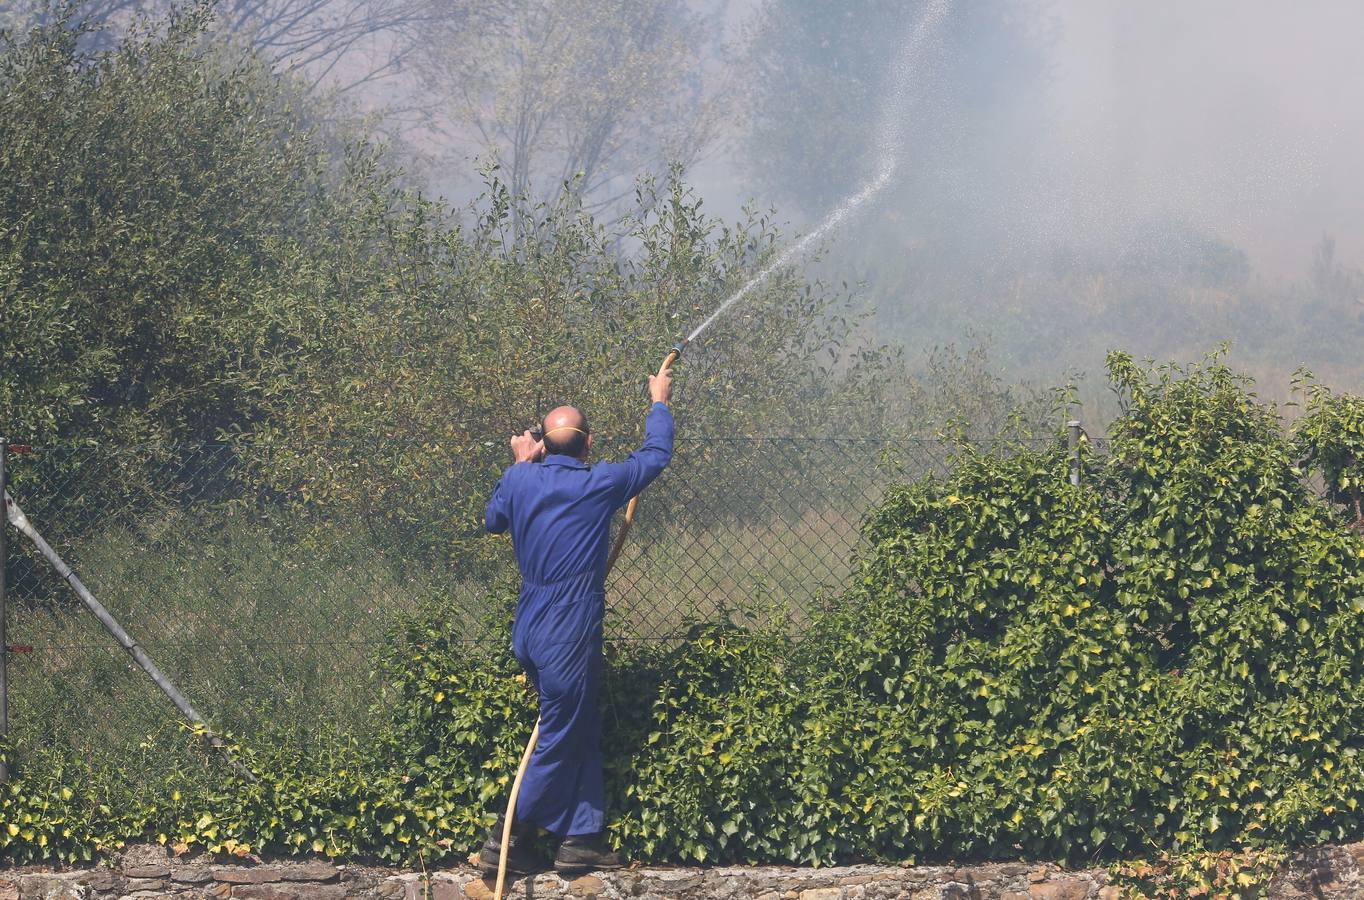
889,143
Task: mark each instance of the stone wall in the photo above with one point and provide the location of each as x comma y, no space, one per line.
148,872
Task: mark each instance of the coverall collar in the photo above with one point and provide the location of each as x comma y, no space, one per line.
562,459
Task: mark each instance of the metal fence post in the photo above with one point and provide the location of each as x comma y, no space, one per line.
1073,442
4,638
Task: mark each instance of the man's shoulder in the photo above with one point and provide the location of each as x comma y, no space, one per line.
517,471
607,472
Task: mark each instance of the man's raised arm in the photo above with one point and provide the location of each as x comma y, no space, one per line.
648,462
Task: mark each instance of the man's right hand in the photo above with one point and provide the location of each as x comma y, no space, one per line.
525,448
661,387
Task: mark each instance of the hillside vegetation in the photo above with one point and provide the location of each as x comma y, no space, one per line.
1167,655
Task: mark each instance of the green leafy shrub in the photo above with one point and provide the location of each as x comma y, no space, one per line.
43,819
719,771
1330,440
1165,655
1168,652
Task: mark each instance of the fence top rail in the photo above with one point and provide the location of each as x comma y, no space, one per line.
497,440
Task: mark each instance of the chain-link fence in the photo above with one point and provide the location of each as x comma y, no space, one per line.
267,608
266,597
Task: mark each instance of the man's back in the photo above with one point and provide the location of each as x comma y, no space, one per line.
559,510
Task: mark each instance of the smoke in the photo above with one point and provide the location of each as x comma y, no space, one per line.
1070,120
1078,174
1074,175
1238,118
905,66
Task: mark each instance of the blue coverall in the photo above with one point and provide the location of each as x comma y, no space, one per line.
559,512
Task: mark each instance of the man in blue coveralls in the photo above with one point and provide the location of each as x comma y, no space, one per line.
558,509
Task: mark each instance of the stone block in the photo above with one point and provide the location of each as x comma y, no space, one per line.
267,891
133,885
312,870
361,883
439,887
586,886
1014,895
47,886
285,890
9,889
824,893
1283,890
146,871
104,879
145,861
191,874
1061,889
546,883
672,884
246,874
389,889
628,884
1110,892
445,889
482,889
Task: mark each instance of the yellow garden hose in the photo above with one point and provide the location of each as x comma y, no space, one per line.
511,811
507,820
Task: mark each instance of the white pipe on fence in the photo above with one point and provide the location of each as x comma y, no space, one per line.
20,521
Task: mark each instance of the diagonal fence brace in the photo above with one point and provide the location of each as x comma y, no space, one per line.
21,522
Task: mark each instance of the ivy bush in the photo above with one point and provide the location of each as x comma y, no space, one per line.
1165,658
1330,439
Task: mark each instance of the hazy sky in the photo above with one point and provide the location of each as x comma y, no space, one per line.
1244,118
1247,117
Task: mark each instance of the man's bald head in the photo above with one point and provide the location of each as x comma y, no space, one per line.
566,432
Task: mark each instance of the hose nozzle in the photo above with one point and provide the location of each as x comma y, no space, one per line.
673,356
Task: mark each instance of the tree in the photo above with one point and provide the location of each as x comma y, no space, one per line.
181,260
1335,285
157,265
331,44
584,93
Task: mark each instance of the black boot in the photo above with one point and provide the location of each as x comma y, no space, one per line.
586,853
521,860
